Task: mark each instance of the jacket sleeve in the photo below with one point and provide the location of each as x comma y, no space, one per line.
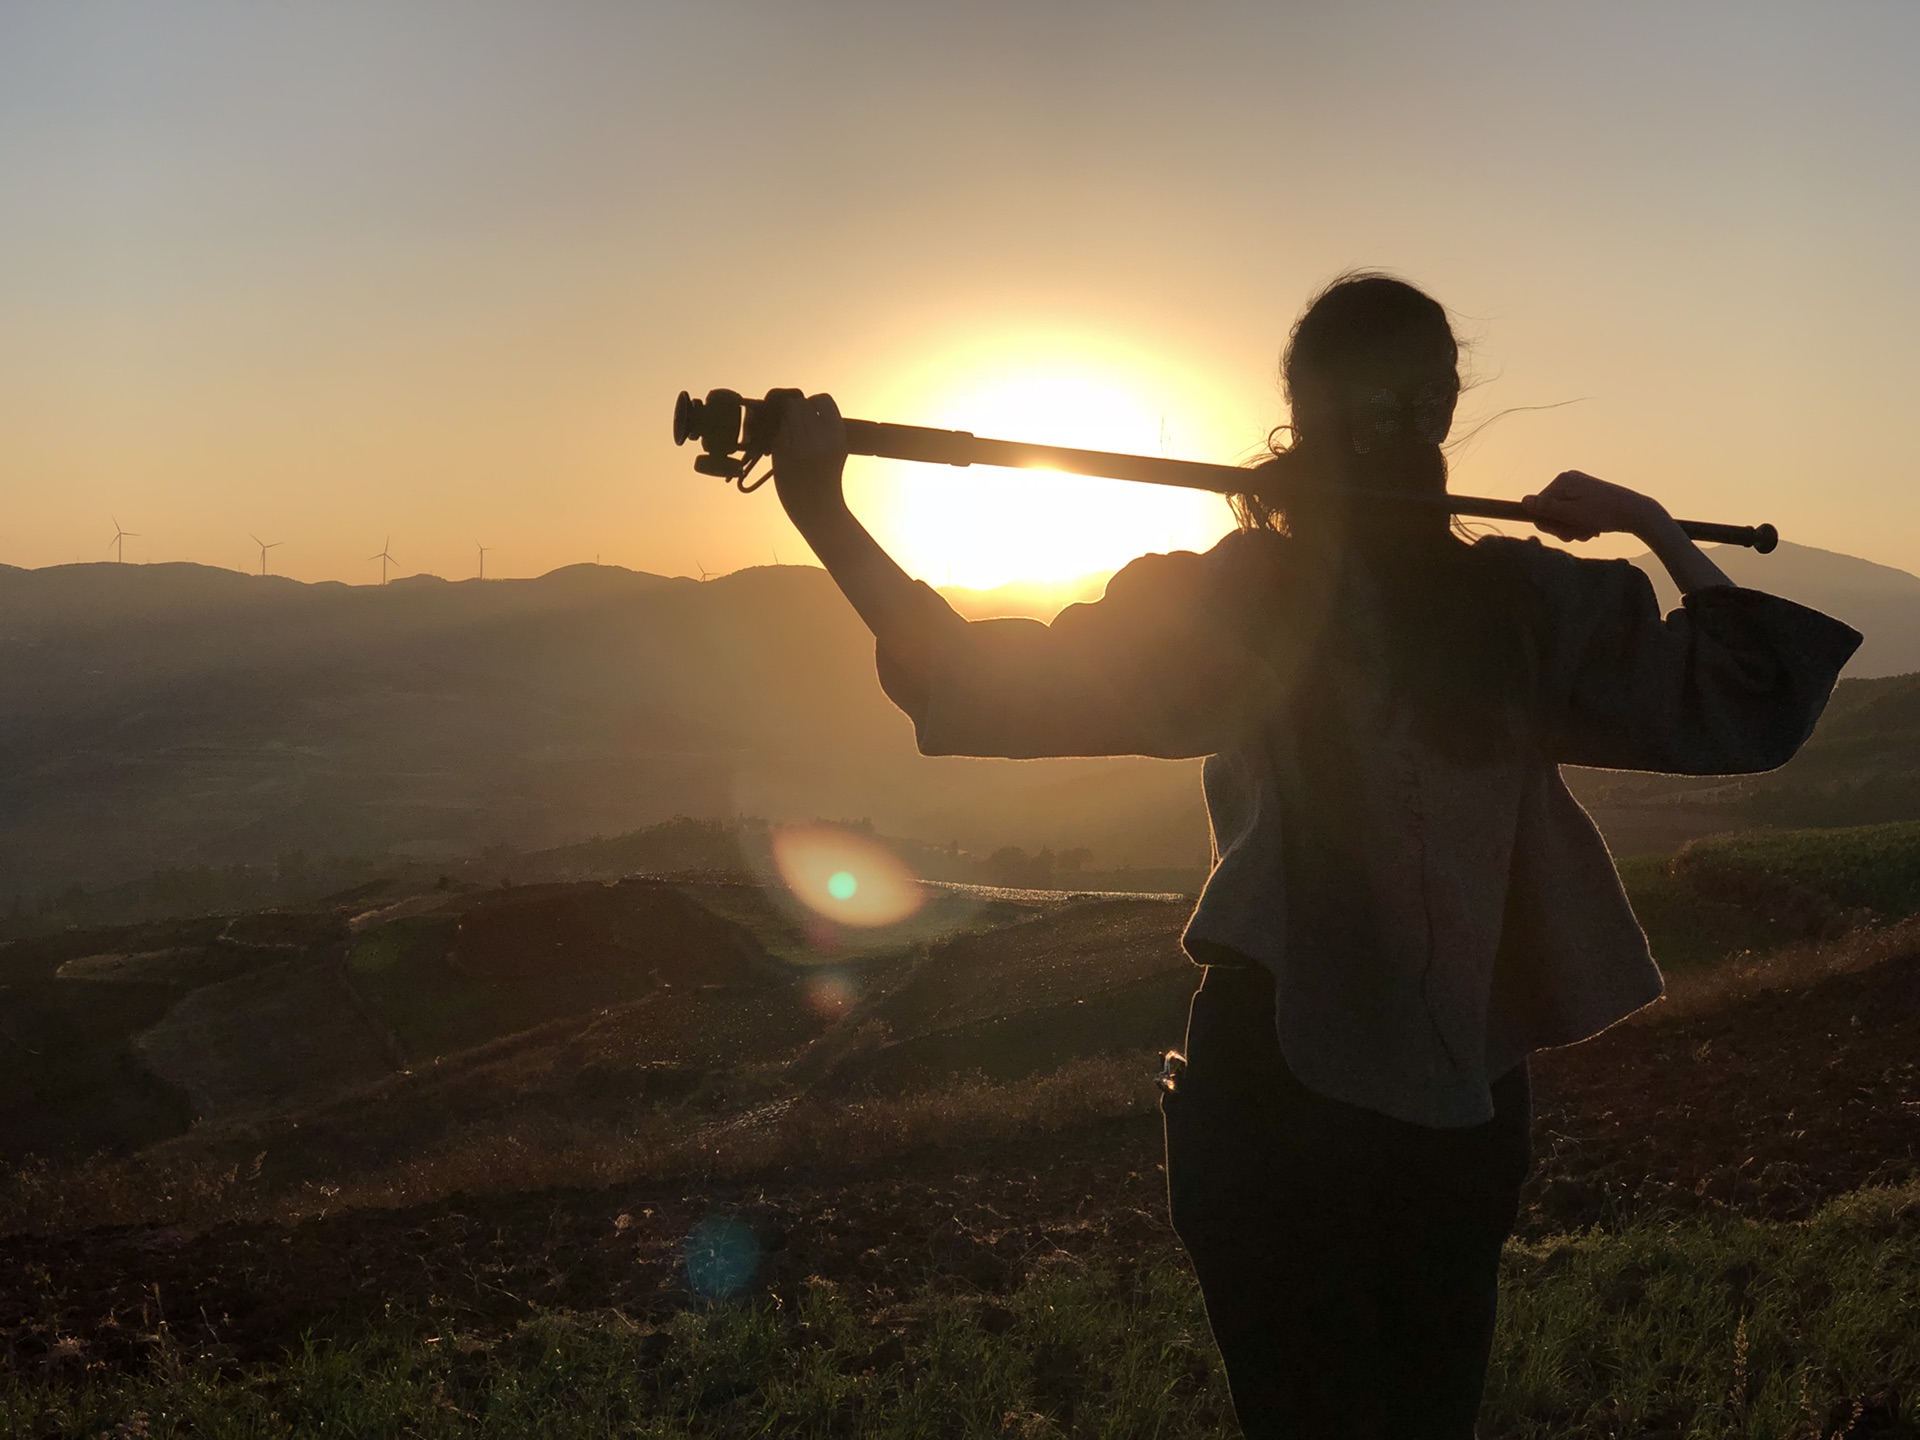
1729,684
1152,668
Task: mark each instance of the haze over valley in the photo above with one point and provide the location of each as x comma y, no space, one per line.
166,717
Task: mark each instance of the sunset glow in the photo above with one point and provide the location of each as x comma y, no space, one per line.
259,284
983,527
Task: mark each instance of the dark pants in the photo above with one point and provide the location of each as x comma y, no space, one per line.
1348,1259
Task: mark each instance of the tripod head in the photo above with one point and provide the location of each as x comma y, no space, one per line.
735,433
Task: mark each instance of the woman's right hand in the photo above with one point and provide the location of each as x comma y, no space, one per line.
1578,506
809,452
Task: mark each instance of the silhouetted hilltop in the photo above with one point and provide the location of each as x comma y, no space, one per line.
157,717
154,716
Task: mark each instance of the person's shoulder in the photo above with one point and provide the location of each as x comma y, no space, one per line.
1237,552
1525,553
1198,582
1246,544
1553,570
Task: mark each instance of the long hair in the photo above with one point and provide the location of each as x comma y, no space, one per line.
1372,377
1371,373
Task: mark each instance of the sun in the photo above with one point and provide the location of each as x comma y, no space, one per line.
982,527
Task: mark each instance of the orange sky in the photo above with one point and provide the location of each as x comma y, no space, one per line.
337,272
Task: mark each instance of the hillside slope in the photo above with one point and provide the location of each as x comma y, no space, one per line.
1861,767
1666,1116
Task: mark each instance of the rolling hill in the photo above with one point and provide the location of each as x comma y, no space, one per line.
166,717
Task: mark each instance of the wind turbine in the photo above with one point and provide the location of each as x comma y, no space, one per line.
264,547
120,537
384,558
483,557
704,576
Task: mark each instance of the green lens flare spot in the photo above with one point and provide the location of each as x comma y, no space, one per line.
841,885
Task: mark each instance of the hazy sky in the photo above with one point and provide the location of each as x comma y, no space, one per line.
333,272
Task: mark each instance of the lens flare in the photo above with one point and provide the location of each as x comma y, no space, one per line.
845,877
831,995
722,1257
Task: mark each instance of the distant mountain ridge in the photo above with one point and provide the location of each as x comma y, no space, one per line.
154,716
164,716
1881,602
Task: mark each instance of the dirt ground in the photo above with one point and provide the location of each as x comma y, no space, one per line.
1768,1107
275,1036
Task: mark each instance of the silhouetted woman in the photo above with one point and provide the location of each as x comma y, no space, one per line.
1405,900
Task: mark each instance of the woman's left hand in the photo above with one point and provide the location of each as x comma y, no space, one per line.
1578,506
809,453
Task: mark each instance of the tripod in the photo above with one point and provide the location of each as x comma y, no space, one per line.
735,434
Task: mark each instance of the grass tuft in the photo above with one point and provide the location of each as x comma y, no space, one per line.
1716,1329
